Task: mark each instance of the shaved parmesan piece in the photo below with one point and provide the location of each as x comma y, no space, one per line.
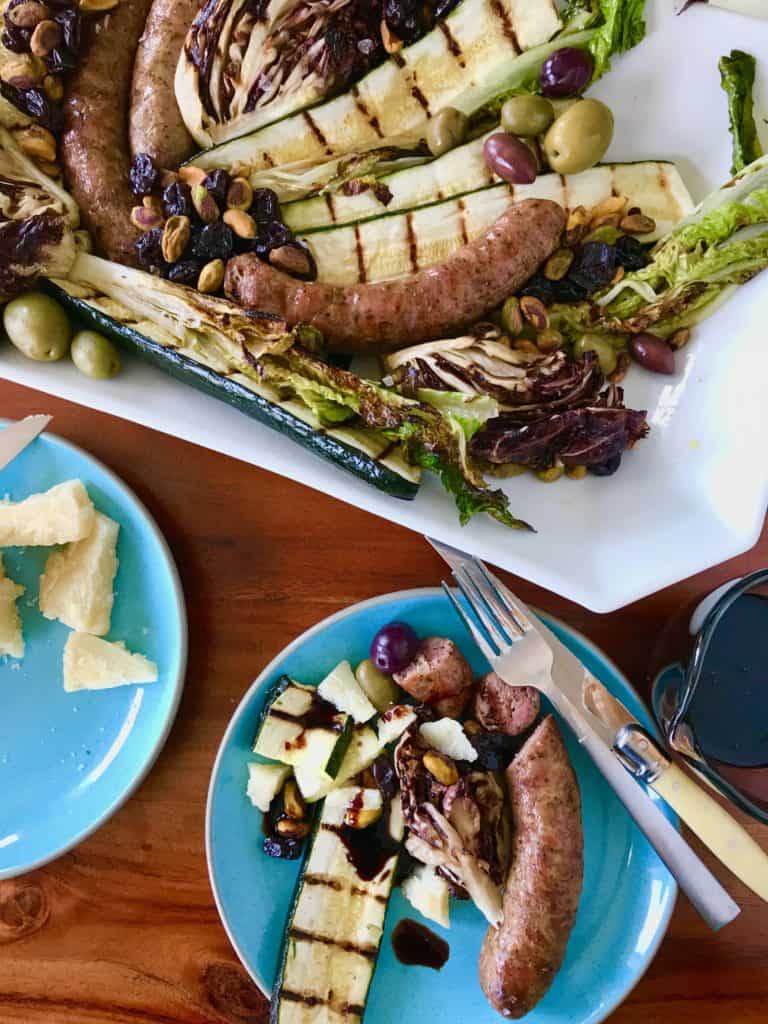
264,783
58,516
428,893
94,664
447,736
11,639
76,586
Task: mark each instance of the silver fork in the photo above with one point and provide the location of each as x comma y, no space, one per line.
506,635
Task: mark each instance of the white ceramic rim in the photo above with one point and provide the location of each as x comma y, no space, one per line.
372,602
178,682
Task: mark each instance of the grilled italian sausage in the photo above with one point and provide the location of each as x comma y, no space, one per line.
520,958
95,142
500,707
439,675
156,126
423,306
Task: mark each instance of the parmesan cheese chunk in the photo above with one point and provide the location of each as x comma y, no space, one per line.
11,639
94,664
76,586
58,516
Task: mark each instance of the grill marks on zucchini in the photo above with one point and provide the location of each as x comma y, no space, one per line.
374,248
337,921
475,43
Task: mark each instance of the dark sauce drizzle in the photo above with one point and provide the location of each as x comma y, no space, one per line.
418,946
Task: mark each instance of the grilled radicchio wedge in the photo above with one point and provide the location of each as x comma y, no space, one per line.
37,219
551,407
461,830
247,63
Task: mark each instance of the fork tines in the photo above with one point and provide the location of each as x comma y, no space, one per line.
494,606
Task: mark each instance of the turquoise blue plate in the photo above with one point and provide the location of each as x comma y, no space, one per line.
628,894
69,760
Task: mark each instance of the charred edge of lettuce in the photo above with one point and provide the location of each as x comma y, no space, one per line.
434,439
737,77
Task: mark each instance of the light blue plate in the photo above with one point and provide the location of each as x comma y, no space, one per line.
69,760
628,894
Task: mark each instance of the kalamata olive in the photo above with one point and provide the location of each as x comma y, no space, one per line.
653,353
527,115
566,72
510,158
38,327
94,355
384,774
446,130
579,138
394,647
603,349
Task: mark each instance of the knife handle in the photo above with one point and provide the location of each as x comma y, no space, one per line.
718,829
693,876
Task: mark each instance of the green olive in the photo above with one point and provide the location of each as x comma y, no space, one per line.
579,138
38,327
380,689
94,355
603,349
527,115
446,130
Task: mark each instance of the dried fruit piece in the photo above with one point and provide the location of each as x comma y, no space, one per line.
293,803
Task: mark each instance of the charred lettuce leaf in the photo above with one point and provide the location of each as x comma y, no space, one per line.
694,268
434,437
737,77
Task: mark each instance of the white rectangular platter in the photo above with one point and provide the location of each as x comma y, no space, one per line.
690,496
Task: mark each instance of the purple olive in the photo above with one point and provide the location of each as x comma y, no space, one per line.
394,647
566,72
653,353
510,158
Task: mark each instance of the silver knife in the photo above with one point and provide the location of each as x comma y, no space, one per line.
15,438
697,881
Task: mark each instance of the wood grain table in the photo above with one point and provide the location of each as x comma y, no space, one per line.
123,930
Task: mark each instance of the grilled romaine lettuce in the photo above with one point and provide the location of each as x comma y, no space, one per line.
215,334
694,268
737,77
37,222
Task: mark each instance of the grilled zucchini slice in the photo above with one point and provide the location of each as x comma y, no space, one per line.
334,931
461,63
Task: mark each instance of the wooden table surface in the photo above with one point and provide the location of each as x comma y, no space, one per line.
123,930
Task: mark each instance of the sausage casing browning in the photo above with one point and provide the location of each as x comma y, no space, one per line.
424,306
520,958
94,146
156,125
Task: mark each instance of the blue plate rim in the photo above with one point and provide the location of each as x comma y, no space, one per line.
48,437
397,595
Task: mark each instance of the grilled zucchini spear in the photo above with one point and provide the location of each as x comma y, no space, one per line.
334,931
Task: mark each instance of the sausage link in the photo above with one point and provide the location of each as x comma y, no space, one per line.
156,125
520,958
424,306
95,141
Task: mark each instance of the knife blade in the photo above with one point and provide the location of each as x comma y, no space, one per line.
15,438
642,755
